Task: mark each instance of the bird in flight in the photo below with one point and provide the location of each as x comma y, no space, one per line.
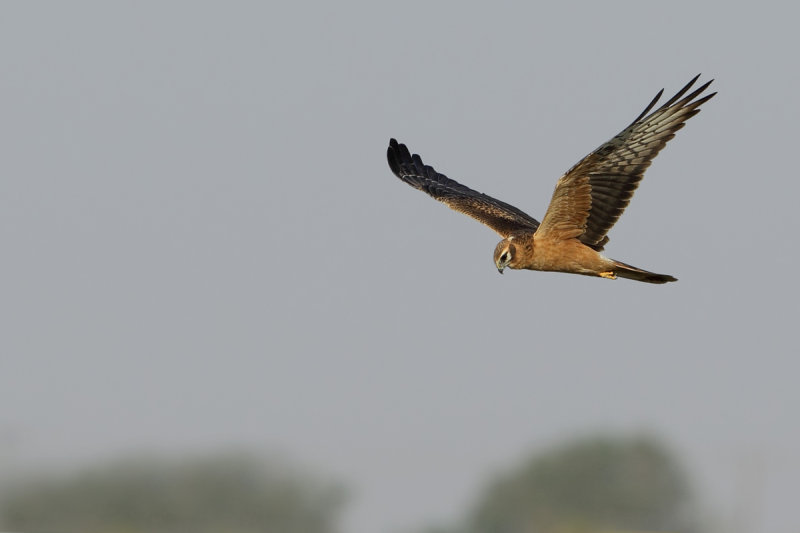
586,203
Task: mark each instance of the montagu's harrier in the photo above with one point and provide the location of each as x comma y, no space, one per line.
586,203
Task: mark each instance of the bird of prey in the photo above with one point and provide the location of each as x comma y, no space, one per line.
586,203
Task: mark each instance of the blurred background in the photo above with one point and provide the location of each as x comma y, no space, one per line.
221,311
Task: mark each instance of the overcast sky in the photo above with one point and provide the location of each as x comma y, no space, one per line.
201,244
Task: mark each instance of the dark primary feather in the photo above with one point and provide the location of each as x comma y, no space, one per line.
615,169
500,216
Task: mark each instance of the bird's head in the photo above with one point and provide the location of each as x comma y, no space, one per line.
504,254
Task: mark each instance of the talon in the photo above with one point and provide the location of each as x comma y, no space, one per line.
608,275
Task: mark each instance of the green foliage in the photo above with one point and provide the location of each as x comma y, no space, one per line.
233,493
595,484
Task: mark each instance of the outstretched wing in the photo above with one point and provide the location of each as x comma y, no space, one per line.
592,195
505,219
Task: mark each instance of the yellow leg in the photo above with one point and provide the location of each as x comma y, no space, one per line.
608,275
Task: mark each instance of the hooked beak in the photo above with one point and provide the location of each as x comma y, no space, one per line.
501,263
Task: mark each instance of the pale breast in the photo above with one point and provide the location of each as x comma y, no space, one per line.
566,256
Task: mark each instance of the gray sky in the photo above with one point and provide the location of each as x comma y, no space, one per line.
202,244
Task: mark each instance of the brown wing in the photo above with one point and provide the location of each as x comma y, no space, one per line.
505,219
592,195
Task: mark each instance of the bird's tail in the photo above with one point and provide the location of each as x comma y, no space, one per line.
630,272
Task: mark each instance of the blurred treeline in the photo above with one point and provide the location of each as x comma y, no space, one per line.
590,485
603,483
230,492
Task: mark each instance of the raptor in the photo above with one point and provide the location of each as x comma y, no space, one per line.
587,201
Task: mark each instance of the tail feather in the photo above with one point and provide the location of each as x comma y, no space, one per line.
630,272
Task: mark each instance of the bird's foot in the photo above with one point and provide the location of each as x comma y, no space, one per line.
608,275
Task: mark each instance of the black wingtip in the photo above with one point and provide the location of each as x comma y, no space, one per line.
397,155
391,156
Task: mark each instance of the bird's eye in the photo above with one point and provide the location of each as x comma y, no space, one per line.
504,257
